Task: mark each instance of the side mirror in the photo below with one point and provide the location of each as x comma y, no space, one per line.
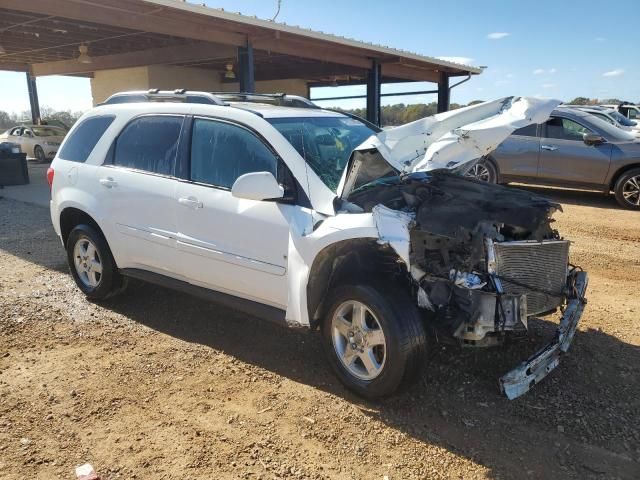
593,139
257,186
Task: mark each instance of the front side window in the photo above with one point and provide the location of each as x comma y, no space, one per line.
325,143
82,141
150,144
221,152
565,129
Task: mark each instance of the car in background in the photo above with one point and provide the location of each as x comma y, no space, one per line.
37,141
572,149
632,112
612,116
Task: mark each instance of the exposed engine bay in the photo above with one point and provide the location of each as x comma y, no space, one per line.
462,234
481,258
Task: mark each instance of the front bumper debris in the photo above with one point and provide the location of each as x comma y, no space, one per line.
520,380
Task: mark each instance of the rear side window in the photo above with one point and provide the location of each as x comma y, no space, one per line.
150,144
221,152
82,141
528,131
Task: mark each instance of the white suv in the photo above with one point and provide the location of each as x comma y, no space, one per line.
311,218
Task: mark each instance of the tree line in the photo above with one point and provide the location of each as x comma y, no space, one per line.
400,113
396,114
11,119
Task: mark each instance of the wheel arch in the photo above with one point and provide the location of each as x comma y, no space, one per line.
621,171
490,158
351,259
71,217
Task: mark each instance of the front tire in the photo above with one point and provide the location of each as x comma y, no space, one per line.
38,152
374,338
627,189
92,265
484,170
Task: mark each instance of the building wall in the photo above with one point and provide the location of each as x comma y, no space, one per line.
168,77
106,82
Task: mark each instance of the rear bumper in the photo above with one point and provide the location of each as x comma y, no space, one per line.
520,380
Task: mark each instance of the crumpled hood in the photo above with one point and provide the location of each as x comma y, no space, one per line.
446,141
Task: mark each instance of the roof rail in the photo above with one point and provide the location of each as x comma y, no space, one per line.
251,94
157,95
280,99
212,98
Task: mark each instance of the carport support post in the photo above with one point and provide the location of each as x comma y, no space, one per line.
246,69
374,82
444,93
33,99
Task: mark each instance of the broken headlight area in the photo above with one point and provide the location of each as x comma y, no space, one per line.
483,257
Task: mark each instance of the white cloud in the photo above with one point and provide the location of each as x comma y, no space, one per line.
510,75
614,73
542,71
497,35
548,85
600,39
462,60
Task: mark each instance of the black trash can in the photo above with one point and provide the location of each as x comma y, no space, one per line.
13,165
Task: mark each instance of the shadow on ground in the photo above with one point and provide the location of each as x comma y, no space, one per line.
562,428
587,198
583,421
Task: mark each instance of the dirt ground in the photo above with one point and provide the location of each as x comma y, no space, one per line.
158,385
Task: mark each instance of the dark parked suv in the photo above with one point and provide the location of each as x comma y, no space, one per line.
572,149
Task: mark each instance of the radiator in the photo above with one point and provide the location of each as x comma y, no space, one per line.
541,266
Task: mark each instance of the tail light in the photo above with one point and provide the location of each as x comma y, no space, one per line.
50,173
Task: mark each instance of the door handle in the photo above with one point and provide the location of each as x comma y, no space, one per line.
191,202
549,147
108,182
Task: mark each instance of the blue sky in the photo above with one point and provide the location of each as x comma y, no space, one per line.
559,49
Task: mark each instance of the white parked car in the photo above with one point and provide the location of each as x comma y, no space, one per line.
313,219
611,116
37,141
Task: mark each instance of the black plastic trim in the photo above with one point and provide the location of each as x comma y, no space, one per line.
266,312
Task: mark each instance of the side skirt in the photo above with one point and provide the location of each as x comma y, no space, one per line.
250,307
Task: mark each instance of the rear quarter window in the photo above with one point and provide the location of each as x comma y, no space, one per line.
83,139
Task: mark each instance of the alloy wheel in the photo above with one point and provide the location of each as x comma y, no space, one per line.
87,262
480,172
358,340
631,190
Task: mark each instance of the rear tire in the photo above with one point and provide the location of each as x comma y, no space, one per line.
92,265
627,189
391,340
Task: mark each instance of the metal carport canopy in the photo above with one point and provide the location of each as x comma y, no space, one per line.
41,37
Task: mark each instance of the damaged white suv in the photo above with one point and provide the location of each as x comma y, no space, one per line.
316,219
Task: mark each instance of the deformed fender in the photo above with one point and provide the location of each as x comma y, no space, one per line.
304,248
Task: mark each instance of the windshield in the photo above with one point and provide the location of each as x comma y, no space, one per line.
621,119
325,143
47,132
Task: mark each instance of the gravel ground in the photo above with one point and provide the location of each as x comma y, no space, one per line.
156,384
